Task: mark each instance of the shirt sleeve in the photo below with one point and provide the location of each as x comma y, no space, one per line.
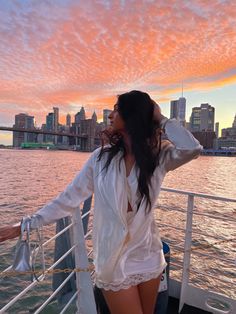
179,148
68,200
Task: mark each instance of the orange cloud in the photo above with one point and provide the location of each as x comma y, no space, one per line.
85,53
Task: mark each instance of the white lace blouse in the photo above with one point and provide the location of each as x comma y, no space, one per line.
122,248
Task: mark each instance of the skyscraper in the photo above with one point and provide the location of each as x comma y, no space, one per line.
182,110
49,126
80,116
202,118
56,118
106,113
88,128
178,110
76,126
195,119
68,120
23,121
217,129
230,132
174,109
207,117
94,117
234,122
228,138
50,121
55,122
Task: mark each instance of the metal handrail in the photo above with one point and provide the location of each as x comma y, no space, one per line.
69,302
215,217
23,292
58,234
229,261
190,193
187,247
54,293
185,287
196,271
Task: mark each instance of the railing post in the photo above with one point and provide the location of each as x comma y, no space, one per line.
86,302
187,250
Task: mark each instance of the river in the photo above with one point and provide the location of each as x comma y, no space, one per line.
30,178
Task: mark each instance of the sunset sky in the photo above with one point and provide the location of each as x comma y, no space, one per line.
83,53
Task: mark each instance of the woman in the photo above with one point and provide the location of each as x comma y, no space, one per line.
125,177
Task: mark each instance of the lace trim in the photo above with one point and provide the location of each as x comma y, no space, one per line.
132,280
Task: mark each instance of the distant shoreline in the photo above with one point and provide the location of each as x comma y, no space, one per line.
205,152
5,147
42,149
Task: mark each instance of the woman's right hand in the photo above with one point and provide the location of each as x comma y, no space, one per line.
9,232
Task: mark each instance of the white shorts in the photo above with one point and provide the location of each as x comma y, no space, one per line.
131,280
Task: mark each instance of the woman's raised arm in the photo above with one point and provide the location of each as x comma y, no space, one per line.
181,146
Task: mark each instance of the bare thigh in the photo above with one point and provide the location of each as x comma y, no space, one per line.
124,301
148,292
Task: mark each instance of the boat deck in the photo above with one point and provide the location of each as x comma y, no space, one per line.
173,306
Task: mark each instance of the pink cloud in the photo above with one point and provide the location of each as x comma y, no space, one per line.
86,53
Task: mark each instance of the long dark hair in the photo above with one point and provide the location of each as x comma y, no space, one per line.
136,109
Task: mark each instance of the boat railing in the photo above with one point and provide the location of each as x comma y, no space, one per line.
81,271
185,290
182,289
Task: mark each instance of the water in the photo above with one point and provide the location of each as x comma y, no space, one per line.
29,179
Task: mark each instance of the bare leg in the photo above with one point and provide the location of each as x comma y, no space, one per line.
148,292
124,301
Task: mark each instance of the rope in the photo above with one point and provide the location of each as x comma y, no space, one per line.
49,272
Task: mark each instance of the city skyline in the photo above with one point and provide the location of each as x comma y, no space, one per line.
62,120
70,54
83,132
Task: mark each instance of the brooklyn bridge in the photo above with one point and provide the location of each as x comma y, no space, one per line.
83,141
